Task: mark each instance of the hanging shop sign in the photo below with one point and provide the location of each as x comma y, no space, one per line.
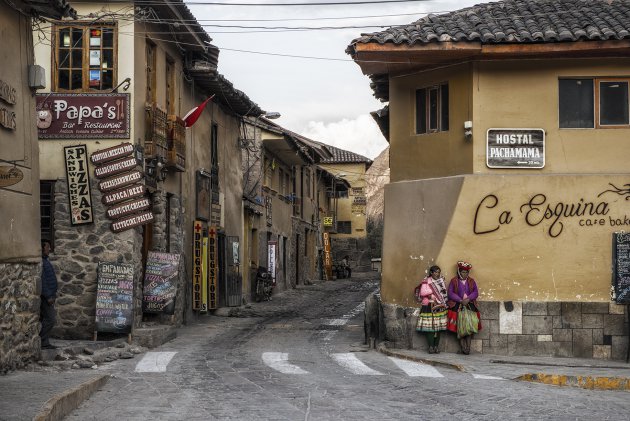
83,116
327,257
78,177
116,167
268,210
10,176
110,154
197,269
132,221
204,273
126,193
120,181
213,268
515,148
272,248
128,208
8,94
160,283
329,221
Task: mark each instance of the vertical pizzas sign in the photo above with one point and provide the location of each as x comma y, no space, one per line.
78,177
213,269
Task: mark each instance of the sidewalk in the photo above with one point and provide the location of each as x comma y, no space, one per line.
572,372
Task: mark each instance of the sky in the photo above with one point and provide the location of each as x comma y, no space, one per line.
306,75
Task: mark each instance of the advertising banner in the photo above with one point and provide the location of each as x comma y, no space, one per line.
78,177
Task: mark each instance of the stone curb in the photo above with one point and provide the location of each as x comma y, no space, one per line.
63,403
584,382
383,349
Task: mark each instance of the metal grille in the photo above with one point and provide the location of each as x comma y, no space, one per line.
232,281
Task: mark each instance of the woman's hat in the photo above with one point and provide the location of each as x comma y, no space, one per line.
464,266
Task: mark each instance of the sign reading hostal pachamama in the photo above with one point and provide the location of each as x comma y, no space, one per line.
160,283
515,148
114,298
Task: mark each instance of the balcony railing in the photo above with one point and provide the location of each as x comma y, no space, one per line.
155,140
176,157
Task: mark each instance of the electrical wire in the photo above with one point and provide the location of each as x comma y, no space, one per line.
335,3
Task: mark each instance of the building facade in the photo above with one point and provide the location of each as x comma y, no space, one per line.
20,250
506,150
185,176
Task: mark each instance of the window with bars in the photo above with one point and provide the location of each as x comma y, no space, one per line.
432,109
85,57
47,210
344,227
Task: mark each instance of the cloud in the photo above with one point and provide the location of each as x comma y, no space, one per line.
360,135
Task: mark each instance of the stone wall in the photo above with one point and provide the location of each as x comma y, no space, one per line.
175,244
554,329
19,314
77,250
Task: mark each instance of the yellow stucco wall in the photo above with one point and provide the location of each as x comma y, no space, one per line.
19,202
524,94
355,175
414,156
529,238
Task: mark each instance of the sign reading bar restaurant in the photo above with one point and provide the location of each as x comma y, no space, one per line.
83,116
515,148
79,193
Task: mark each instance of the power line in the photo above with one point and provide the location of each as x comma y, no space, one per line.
336,3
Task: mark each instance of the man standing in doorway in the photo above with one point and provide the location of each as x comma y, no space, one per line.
49,293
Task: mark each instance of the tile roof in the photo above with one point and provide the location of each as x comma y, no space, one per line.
341,156
516,21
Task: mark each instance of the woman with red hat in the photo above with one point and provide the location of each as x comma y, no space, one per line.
462,292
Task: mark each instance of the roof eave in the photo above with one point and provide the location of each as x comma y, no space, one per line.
378,59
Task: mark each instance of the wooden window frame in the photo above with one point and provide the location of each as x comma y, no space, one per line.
150,55
85,61
598,81
170,85
596,103
441,125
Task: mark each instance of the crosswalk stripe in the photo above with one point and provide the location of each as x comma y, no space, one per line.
350,362
485,377
279,361
154,362
416,369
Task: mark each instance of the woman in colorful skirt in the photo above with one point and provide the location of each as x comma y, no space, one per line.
462,292
432,319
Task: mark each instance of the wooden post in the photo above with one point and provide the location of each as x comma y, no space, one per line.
95,335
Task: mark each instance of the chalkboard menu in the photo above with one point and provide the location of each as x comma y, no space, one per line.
160,283
114,298
621,267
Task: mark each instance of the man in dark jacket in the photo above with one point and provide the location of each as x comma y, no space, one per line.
49,294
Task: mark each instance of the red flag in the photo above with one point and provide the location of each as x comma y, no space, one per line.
191,117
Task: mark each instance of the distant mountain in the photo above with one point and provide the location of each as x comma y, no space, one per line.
376,177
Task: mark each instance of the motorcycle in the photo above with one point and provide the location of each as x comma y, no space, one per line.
264,285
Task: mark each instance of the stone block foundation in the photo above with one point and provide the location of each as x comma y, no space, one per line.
569,329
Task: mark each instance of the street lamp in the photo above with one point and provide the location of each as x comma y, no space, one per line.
272,115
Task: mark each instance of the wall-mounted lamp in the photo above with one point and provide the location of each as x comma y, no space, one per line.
155,169
468,129
125,85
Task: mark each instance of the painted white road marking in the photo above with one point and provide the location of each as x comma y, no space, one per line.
346,317
335,322
483,376
154,362
416,369
279,361
350,362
